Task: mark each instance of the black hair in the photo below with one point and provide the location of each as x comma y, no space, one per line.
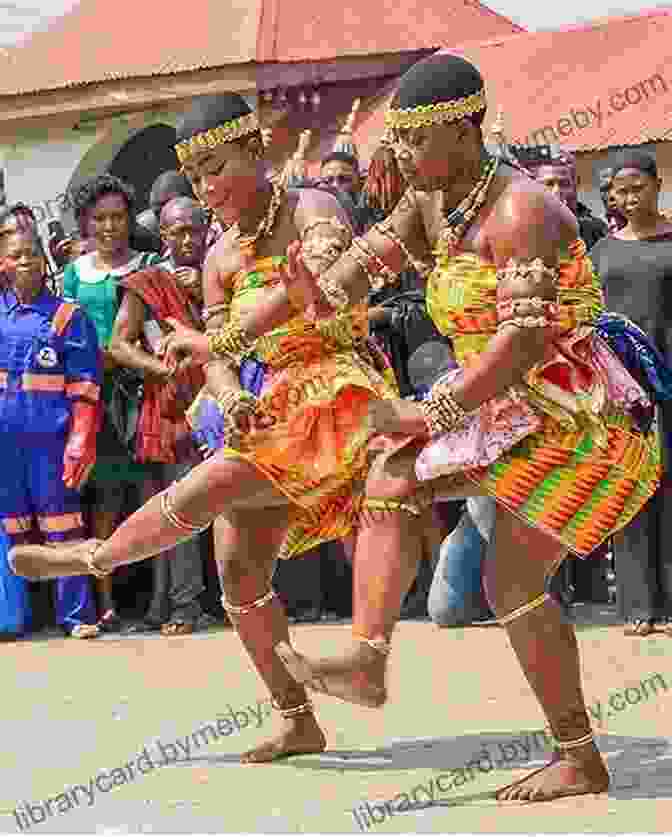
98,187
341,157
439,78
639,160
206,112
199,214
169,181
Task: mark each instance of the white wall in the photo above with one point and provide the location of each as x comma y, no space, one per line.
42,164
38,169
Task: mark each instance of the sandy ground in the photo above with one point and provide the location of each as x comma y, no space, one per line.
74,711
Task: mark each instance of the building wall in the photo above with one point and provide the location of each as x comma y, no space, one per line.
42,163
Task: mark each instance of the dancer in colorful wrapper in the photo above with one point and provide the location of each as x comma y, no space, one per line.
295,481
542,415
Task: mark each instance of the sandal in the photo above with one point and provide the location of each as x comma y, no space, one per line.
84,632
177,628
639,627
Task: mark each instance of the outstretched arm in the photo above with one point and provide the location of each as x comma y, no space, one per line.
379,255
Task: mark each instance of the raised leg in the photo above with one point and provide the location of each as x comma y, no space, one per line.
214,486
546,648
245,554
388,549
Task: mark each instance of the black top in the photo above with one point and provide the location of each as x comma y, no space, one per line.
637,281
591,229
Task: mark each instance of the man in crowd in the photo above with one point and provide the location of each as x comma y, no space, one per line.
559,175
171,289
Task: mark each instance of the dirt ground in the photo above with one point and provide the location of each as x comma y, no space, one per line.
151,728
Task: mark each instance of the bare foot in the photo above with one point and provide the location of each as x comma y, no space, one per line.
302,735
37,562
567,774
358,677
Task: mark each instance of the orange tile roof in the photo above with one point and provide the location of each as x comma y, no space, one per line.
102,40
618,67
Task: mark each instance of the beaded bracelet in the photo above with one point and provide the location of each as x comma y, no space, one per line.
376,265
334,293
230,342
442,412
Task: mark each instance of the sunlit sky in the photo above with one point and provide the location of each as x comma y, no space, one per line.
19,17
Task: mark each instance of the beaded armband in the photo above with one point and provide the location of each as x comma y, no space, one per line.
442,412
526,312
229,398
531,275
378,273
230,342
334,293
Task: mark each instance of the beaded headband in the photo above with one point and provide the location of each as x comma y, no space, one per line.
426,115
227,132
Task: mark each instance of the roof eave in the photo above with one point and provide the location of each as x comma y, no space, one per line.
127,94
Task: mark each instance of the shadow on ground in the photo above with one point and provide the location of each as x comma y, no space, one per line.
641,768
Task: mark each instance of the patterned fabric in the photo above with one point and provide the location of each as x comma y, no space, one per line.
574,450
638,353
317,389
163,433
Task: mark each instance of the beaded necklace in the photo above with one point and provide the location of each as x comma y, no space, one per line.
456,222
247,243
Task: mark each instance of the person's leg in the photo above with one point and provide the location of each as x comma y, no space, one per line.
60,520
245,554
456,594
76,607
388,549
107,501
175,515
184,570
547,651
635,552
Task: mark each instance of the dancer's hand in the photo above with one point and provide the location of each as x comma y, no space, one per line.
183,347
392,416
301,285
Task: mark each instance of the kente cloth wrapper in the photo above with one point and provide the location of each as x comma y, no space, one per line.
574,450
163,432
316,390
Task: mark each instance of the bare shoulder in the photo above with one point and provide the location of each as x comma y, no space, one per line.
529,222
221,263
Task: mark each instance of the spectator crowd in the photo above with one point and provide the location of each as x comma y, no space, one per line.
93,424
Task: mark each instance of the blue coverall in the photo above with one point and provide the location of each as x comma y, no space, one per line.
49,358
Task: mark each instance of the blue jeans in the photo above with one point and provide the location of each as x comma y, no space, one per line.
456,595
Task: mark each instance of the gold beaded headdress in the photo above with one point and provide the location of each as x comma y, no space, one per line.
226,132
424,116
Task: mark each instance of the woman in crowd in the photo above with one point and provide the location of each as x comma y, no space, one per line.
635,266
49,417
104,208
